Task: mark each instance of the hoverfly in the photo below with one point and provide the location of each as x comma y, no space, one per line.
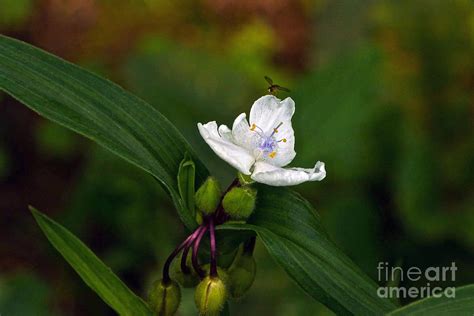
273,88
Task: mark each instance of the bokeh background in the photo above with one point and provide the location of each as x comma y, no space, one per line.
384,93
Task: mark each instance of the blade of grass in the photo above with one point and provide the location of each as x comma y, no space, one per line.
91,269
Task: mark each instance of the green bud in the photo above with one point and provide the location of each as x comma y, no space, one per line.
210,296
220,272
241,275
208,196
239,203
199,218
165,298
225,259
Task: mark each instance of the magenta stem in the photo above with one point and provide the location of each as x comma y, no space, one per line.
194,241
184,267
166,267
196,245
212,236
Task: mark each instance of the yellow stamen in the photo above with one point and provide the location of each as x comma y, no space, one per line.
272,154
284,140
275,130
253,127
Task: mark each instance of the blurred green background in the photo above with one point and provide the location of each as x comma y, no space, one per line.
385,97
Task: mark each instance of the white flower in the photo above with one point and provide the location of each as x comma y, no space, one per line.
264,146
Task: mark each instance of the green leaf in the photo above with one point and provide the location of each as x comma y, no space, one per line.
461,304
186,187
97,109
292,232
91,269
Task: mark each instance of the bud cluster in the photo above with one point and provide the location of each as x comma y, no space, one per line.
238,201
213,285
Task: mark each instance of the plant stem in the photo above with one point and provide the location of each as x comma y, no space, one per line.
212,236
184,267
197,242
194,241
169,260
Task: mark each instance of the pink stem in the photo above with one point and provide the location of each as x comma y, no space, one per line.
213,271
196,245
184,267
169,260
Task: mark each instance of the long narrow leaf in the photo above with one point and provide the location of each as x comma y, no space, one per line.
291,231
97,109
461,304
91,269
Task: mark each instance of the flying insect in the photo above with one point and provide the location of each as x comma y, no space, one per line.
273,88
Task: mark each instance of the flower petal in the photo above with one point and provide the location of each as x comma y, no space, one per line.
271,175
285,151
242,134
225,133
268,111
236,156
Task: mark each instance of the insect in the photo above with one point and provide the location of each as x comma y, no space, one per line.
273,88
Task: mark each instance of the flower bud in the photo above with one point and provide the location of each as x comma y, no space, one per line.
210,296
199,218
239,203
208,196
165,298
220,272
241,275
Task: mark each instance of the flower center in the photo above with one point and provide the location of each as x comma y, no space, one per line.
268,144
